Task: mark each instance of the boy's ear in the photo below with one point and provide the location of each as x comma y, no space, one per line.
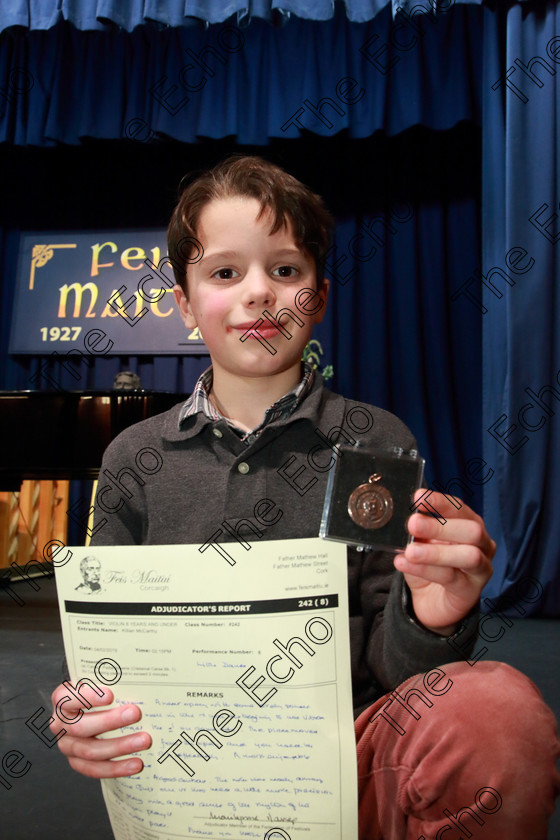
324,294
184,307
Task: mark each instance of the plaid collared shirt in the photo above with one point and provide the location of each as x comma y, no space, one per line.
199,401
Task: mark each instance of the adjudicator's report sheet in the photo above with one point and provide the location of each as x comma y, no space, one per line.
242,673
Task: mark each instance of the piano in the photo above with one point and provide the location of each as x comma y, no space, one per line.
63,434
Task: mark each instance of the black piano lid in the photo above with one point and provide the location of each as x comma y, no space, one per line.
63,434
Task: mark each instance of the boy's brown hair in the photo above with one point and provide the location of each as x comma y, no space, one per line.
275,189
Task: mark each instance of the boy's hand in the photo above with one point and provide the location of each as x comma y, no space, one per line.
88,754
447,565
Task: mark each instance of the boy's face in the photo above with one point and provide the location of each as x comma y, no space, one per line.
244,271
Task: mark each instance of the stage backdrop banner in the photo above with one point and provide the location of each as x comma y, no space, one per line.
112,289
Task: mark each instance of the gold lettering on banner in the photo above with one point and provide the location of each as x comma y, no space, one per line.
40,256
78,289
96,250
139,304
118,304
156,255
118,309
155,303
133,254
128,256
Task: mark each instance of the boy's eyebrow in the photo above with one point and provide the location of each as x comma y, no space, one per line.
229,255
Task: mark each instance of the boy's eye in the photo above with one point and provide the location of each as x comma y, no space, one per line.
224,273
285,269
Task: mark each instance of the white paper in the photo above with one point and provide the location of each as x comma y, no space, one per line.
187,630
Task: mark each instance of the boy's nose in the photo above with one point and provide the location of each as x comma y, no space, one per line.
258,289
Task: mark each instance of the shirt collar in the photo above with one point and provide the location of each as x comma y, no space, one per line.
199,402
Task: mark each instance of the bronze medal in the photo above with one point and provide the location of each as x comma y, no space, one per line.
371,505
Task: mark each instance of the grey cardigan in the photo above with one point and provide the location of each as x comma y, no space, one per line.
163,485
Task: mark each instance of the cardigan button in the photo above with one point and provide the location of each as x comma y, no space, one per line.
243,468
217,433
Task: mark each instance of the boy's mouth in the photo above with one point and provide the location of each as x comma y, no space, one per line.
265,330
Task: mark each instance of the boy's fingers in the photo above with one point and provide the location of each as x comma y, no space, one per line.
463,531
95,750
96,723
434,503
72,703
106,769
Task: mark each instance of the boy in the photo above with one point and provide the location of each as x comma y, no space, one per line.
260,426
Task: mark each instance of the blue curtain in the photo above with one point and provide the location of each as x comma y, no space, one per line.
64,85
127,14
521,340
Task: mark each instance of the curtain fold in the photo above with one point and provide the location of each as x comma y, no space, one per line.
128,14
64,85
521,341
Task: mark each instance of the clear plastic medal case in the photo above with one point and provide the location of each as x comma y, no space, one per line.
369,497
